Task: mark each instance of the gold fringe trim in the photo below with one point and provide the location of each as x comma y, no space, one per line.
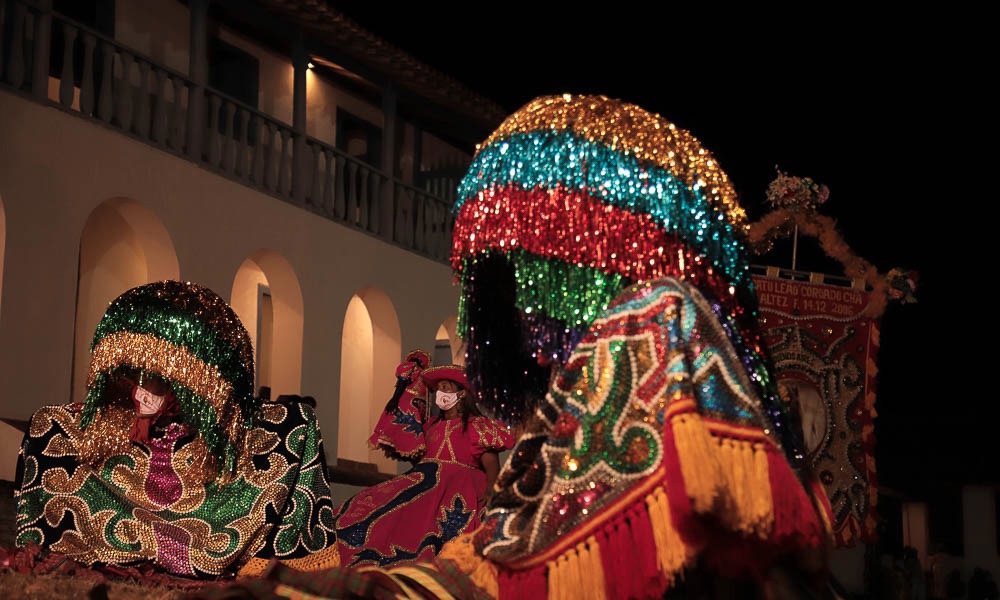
726,476
748,501
698,455
577,574
672,553
554,579
146,351
107,434
591,566
482,572
764,501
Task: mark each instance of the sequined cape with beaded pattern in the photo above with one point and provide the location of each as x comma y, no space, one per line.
146,506
650,452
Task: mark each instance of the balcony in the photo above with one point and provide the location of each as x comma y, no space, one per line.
58,62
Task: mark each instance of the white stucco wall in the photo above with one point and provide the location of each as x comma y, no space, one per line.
55,168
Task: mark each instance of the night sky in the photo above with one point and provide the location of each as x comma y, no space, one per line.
875,106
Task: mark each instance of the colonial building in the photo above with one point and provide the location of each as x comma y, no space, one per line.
272,151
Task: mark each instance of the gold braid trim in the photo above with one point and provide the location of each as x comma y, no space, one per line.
176,363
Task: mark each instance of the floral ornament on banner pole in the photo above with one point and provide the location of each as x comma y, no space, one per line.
795,201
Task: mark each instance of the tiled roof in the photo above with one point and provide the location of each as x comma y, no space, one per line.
320,19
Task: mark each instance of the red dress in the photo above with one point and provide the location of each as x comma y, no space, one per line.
411,516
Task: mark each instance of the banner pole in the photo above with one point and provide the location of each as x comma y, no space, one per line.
795,245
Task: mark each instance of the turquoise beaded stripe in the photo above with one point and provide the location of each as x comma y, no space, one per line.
553,159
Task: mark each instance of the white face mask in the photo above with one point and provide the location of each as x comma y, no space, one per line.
146,401
445,400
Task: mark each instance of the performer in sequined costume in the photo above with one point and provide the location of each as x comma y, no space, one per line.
607,298
411,516
171,460
604,248
608,311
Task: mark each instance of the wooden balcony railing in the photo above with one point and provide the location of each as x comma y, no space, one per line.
101,80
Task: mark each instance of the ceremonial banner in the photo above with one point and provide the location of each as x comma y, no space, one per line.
825,352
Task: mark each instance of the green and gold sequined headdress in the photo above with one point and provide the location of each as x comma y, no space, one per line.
189,336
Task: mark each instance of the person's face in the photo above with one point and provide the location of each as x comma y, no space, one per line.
448,386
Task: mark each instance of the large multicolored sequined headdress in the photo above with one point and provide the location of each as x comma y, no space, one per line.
570,200
189,336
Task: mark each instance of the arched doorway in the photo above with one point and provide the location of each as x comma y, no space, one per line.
268,299
370,351
123,244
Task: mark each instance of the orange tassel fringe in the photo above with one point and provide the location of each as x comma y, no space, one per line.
731,473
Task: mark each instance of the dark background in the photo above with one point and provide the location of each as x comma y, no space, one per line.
879,106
